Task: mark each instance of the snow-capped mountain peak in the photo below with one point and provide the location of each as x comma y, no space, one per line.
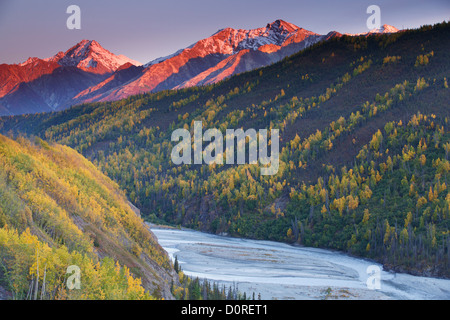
230,41
31,60
90,56
275,33
383,29
282,26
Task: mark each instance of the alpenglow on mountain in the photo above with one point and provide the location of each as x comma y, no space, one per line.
43,85
87,72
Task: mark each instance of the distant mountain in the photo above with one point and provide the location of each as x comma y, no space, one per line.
227,52
87,72
383,29
90,56
43,85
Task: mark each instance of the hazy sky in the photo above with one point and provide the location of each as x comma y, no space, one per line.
144,30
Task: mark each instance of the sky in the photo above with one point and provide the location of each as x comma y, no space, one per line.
144,30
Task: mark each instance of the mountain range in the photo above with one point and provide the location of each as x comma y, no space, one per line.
88,73
364,160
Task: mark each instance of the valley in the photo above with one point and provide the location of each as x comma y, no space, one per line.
363,173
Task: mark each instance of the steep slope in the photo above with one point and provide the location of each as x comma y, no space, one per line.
57,210
122,75
344,107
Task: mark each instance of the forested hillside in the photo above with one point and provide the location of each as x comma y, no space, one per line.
57,210
364,165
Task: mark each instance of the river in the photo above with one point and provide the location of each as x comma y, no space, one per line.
281,271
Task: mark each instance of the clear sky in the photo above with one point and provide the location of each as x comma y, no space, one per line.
146,29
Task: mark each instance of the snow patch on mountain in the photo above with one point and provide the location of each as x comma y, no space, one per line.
88,55
383,29
161,59
229,41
